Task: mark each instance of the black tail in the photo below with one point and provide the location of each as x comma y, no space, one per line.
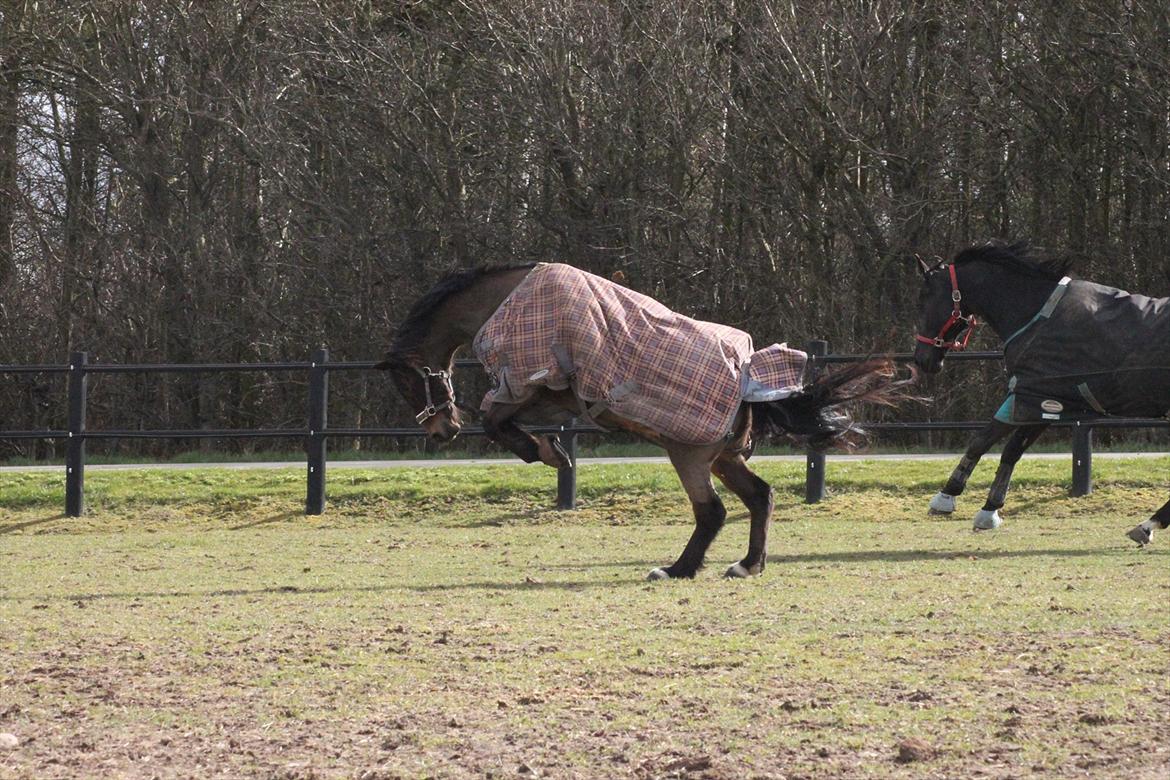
820,411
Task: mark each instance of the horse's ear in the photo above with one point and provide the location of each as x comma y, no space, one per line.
923,267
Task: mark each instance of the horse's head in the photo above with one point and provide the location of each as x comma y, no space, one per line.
428,390
943,322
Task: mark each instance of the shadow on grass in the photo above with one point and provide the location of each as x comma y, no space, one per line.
276,518
915,556
882,556
294,590
1017,511
1140,511
517,585
532,517
14,527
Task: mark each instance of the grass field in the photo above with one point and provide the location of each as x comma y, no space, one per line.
447,623
588,446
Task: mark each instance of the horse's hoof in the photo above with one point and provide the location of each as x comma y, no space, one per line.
942,504
658,574
987,521
737,571
1141,535
552,453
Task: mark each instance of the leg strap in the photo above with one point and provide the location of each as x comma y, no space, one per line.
587,411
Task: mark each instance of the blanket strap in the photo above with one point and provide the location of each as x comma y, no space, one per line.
561,353
589,412
569,369
1090,399
1046,310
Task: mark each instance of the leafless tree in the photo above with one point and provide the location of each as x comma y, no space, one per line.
248,179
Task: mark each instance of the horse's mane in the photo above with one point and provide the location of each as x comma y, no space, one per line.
418,320
1018,256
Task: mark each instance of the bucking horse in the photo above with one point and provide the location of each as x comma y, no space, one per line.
559,342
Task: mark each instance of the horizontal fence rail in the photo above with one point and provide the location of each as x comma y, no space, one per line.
317,431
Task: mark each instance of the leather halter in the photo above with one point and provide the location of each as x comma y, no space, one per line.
431,409
969,321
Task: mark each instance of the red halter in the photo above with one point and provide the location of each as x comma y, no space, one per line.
969,321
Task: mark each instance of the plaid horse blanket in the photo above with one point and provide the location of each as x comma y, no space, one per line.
1091,350
623,351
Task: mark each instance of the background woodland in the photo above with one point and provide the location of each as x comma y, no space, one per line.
249,180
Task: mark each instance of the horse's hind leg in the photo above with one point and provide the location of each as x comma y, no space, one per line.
1143,534
988,517
756,494
693,465
943,502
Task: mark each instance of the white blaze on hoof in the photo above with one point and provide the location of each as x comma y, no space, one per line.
737,571
1142,534
658,574
942,504
987,521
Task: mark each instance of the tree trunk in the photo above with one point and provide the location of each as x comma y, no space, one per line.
11,15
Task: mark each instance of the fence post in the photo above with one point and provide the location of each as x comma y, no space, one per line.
315,443
75,448
567,478
814,469
1082,476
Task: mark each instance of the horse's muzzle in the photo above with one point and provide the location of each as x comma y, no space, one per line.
929,360
442,431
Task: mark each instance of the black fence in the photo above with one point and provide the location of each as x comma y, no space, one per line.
317,432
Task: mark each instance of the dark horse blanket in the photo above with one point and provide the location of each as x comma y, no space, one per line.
623,351
1092,350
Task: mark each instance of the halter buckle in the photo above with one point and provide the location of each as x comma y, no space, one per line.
969,321
430,410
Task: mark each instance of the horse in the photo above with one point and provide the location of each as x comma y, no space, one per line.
610,376
1074,350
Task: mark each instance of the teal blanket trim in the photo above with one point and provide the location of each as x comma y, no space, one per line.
1004,414
1045,310
1029,324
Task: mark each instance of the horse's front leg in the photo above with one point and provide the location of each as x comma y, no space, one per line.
1143,534
500,426
693,465
943,502
1025,436
756,494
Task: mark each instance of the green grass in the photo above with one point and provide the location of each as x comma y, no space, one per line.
589,446
447,622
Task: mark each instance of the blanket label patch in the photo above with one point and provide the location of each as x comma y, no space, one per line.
1052,405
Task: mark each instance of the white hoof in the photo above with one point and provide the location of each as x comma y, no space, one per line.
987,521
942,504
737,571
658,574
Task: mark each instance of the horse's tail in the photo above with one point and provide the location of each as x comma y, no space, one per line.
820,411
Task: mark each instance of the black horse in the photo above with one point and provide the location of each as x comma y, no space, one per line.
1073,350
456,313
